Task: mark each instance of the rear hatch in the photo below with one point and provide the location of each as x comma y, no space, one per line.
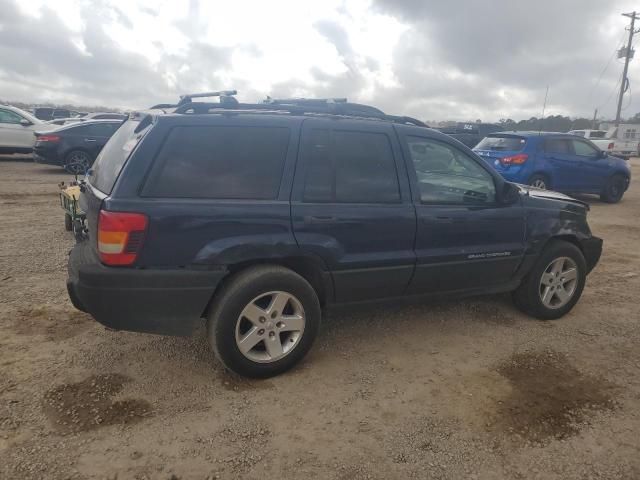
497,147
102,177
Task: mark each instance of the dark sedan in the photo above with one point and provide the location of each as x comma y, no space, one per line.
74,147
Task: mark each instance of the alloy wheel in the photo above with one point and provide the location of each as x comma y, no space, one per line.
270,327
77,163
558,282
539,183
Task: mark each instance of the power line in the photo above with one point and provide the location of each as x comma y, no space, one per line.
613,54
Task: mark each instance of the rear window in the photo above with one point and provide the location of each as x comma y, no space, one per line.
598,134
220,162
501,143
107,166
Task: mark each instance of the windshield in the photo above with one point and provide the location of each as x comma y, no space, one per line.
509,143
107,166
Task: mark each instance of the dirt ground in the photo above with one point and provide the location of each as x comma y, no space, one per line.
449,390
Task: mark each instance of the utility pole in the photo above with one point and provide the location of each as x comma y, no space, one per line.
595,117
627,53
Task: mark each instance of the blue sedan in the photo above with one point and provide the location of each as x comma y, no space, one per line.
557,161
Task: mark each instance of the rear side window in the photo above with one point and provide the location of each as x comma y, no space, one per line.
349,167
101,129
512,144
111,159
557,145
220,162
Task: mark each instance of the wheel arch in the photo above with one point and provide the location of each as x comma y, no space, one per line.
310,268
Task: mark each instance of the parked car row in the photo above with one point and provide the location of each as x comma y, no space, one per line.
558,161
254,222
73,143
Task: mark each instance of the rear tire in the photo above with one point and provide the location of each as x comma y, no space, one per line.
555,284
77,162
539,181
68,222
263,321
613,189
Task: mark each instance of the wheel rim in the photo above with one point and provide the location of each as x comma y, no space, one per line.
270,327
558,282
77,163
539,183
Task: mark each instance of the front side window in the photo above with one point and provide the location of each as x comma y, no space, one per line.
447,175
7,116
583,149
349,167
220,162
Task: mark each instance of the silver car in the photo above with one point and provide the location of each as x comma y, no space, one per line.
16,130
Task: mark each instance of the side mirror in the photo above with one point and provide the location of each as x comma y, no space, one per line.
602,154
25,123
510,193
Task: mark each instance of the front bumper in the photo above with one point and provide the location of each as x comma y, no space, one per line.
168,302
592,249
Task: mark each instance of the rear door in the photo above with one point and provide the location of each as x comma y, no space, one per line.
561,163
465,239
351,207
96,136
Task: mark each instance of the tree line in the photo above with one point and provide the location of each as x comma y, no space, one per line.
557,123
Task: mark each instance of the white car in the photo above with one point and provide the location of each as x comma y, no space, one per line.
610,141
16,130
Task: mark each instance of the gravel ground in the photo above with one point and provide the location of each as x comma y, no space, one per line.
448,390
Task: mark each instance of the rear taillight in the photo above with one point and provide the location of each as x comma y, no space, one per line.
610,146
48,138
120,236
515,159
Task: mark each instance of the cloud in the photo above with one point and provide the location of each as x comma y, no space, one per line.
429,59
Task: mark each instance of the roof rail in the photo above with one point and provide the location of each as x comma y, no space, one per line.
296,106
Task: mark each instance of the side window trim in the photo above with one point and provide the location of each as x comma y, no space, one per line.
415,183
304,160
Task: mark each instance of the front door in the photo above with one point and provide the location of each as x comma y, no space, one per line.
12,133
351,207
465,239
593,167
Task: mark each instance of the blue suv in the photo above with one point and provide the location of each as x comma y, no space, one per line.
557,161
253,218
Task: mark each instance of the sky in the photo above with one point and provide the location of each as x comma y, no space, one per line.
434,60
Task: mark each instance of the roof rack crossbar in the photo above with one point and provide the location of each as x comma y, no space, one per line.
226,96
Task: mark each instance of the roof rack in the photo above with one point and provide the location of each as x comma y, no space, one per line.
296,106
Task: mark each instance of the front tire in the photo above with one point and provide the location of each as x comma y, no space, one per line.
263,321
613,189
555,283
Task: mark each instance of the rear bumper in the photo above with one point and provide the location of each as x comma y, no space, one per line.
49,158
592,249
168,302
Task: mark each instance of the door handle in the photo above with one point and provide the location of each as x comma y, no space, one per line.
89,140
320,219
